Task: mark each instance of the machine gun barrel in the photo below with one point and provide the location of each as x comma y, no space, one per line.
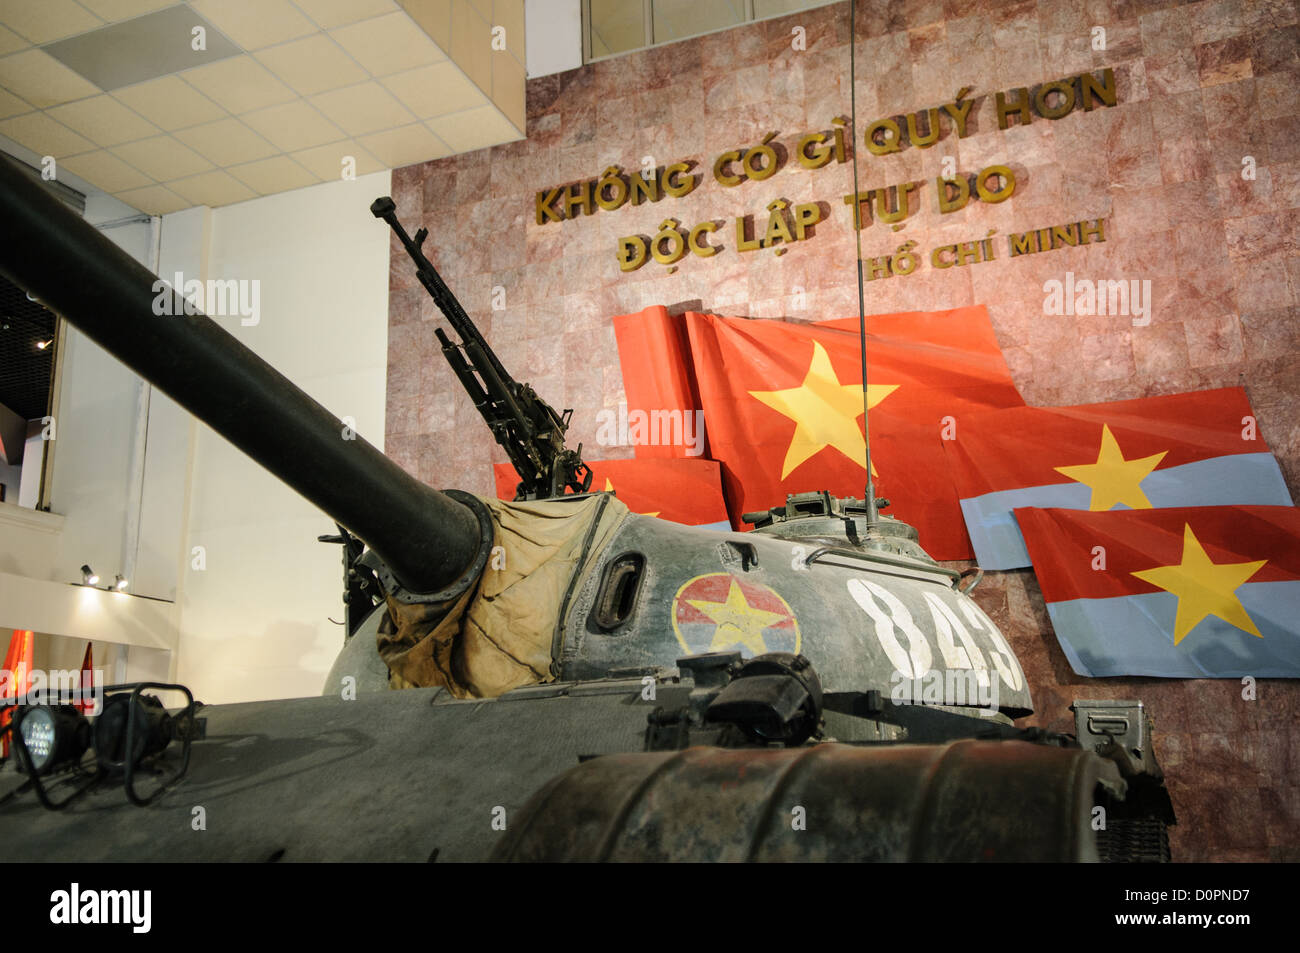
447,302
527,427
425,537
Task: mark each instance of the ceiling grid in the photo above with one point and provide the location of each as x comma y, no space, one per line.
280,94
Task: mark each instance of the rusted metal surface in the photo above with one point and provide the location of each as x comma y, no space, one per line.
964,801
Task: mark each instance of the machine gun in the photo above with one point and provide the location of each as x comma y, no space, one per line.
529,428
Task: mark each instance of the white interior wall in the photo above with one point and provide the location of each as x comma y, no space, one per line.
255,621
11,477
553,38
90,503
29,483
155,552
91,455
94,427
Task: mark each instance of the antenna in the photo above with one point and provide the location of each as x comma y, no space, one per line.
872,513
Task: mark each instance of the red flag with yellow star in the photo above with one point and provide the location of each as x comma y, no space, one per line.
1197,449
1181,592
783,408
684,491
655,358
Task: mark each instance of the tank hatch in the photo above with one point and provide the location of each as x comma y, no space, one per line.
836,521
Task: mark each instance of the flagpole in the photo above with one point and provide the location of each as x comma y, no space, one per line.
872,513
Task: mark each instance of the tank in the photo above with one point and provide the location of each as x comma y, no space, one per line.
613,687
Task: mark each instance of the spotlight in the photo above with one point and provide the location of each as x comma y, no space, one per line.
89,576
42,345
54,735
151,730
119,583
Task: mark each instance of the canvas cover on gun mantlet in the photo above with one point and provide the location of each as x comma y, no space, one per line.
500,633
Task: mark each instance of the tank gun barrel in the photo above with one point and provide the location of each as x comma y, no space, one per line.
425,537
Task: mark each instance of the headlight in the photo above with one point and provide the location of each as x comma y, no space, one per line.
54,735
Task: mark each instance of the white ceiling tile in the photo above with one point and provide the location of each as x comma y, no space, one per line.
255,24
115,11
107,171
170,103
471,43
104,121
42,80
11,105
240,84
332,13
154,200
293,126
325,89
510,88
366,107
510,15
434,18
44,136
162,158
474,129
42,21
334,161
11,42
277,174
388,44
405,146
435,90
226,142
212,189
312,65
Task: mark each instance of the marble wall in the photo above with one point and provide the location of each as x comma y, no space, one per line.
1201,86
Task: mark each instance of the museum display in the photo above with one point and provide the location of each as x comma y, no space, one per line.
569,689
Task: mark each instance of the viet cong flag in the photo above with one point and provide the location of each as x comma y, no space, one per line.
783,409
1197,449
683,491
1182,592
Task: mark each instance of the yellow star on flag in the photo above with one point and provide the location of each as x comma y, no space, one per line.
1204,587
825,410
738,623
609,488
1113,479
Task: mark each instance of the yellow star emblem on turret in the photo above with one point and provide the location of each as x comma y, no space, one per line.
738,623
825,411
1113,479
609,488
1204,587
